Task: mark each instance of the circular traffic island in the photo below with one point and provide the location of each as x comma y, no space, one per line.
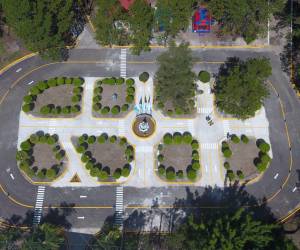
144,125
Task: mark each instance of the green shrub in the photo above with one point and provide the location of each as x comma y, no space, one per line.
45,110
97,107
177,138
160,158
80,149
105,110
123,141
77,90
195,145
170,174
196,165
21,155
29,172
50,173
24,166
43,139
160,105
115,110
120,80
244,139
263,146
78,81
28,98
94,172
27,107
25,145
76,98
60,155
58,110
168,139
161,170
103,175
261,166
170,112
56,148
75,109
112,139
60,80
125,107
192,174
125,171
82,138
195,156
51,140
97,98
180,174
98,90
264,157
227,153
144,77
240,175
178,111
101,139
130,82
160,147
68,80
42,86
85,158
117,173
130,90
66,110
235,139
91,139
129,150
226,165
230,175
129,98
35,90
89,165
187,138
52,82
110,81
41,174
204,76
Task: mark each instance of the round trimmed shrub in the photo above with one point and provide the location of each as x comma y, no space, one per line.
161,170
85,158
129,150
244,139
160,147
144,77
76,98
27,107
35,90
226,165
78,81
117,173
56,148
187,138
265,158
125,107
89,165
97,98
82,138
235,139
130,82
195,156
80,149
204,76
105,110
101,139
68,80
170,112
75,109
227,153
240,175
112,139
97,107
66,110
51,140
170,174
98,90
21,155
196,165
177,138
129,98
110,81
195,145
103,175
263,146
60,81
178,111
230,175
160,158
180,174
45,110
50,173
130,90
43,139
168,139
60,155
28,98
52,82
261,166
91,139
192,174
120,80
123,141
41,174
94,172
25,145
42,86
115,110
77,90
125,171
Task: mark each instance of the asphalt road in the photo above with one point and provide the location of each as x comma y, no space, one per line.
18,198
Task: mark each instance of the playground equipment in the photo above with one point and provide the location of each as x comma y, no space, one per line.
202,20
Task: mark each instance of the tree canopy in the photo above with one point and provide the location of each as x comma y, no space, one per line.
43,25
175,80
240,88
243,17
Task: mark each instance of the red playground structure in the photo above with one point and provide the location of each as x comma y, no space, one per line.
202,21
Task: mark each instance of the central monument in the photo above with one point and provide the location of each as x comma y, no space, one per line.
144,124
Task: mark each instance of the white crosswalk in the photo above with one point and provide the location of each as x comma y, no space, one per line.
209,145
122,129
191,126
119,206
38,209
52,124
123,71
202,110
144,149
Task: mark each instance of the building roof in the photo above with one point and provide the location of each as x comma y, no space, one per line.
126,3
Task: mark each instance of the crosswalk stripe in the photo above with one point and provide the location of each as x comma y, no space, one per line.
38,209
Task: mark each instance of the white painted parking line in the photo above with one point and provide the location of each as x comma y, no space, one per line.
83,196
294,189
80,217
11,175
276,176
18,70
31,82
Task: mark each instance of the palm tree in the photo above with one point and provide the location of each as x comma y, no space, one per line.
9,237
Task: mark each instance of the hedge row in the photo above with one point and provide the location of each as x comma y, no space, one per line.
26,160
95,168
115,110
176,139
30,99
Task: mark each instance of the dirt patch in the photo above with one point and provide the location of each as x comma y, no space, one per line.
109,90
44,156
243,156
109,154
177,156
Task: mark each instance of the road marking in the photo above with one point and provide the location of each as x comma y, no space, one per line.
30,83
294,189
83,196
123,65
38,209
276,176
206,168
209,145
11,175
216,169
119,206
18,70
80,217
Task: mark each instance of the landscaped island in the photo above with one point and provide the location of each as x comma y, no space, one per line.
41,157
56,97
113,97
245,158
178,157
106,157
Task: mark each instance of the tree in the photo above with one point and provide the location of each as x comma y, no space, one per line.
9,237
174,80
244,18
140,22
43,25
240,88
